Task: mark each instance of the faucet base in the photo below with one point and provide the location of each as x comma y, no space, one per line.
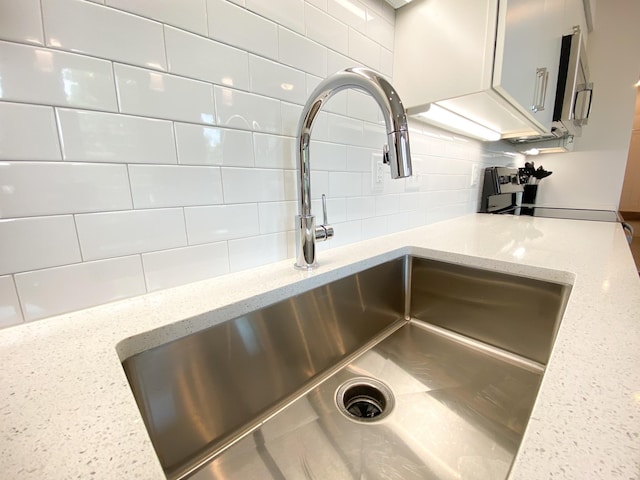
305,242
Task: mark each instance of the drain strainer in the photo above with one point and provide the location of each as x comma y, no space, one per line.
364,399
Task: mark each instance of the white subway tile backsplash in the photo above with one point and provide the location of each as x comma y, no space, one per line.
346,232
116,234
18,124
87,284
321,4
408,201
361,207
373,5
289,13
378,28
21,21
247,111
106,137
346,130
360,159
167,140
10,312
392,185
364,50
45,188
153,94
345,184
336,208
243,185
188,14
252,252
374,136
136,40
326,30
242,29
320,130
350,12
363,106
156,186
386,63
321,182
43,76
398,222
273,151
337,62
301,53
327,156
180,266
204,59
388,12
275,80
368,187
290,116
200,145
387,204
277,216
445,182
374,227
38,242
291,183
221,222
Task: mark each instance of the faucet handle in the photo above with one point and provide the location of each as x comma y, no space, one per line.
324,210
385,154
324,231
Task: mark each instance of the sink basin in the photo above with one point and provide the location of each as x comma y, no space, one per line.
414,368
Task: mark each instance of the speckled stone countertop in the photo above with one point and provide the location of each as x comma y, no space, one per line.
66,410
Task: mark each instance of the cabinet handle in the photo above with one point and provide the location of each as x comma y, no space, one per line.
584,117
540,95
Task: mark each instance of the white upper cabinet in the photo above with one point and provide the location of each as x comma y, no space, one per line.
527,54
494,62
575,15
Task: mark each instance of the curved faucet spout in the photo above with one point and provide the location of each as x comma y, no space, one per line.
396,154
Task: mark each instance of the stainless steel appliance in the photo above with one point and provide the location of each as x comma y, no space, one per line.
500,188
575,90
504,192
572,106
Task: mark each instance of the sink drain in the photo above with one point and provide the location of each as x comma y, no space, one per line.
364,399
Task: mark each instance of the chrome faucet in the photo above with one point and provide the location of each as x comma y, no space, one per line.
396,153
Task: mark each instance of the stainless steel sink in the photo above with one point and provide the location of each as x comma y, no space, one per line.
414,368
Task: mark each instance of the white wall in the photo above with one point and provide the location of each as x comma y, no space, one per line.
591,176
150,143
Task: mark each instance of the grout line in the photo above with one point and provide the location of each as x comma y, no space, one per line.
133,205
164,45
115,87
186,230
20,307
58,123
147,288
228,256
175,142
206,17
44,34
75,226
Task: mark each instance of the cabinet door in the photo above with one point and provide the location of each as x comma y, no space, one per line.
527,54
443,49
574,15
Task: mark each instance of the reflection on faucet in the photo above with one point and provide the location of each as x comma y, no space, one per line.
396,153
